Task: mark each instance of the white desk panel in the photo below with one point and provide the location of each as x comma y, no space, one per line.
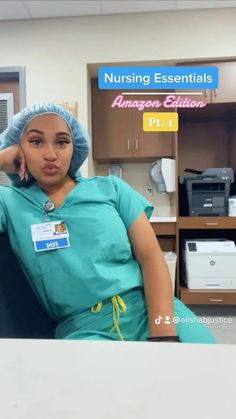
45,379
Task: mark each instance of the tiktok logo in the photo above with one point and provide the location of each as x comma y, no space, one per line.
160,318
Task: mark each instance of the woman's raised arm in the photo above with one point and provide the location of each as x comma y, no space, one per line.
12,160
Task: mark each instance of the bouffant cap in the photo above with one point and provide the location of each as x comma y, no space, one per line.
13,133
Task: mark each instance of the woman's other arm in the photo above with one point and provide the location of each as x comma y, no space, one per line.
156,277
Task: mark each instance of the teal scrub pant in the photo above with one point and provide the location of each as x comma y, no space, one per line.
124,317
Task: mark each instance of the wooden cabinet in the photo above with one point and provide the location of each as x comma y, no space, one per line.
118,134
166,235
150,144
225,93
111,128
207,297
195,94
164,228
206,222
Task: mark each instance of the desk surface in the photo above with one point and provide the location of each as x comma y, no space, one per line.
44,379
163,219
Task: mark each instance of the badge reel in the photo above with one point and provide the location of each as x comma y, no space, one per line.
48,207
50,235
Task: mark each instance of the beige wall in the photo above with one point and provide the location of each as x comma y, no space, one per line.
56,52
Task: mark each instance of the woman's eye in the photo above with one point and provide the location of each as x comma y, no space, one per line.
35,141
62,142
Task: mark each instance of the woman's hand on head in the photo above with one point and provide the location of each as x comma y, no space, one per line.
13,161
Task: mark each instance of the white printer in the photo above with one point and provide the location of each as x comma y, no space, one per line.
210,264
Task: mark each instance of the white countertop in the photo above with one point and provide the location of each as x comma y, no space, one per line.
162,220
62,379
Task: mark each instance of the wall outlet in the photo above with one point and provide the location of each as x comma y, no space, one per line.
149,189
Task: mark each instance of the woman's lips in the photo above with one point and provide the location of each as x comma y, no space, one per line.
50,170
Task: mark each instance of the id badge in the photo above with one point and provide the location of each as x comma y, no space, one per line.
50,236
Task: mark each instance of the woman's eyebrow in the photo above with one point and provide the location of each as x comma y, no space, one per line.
41,132
35,130
62,133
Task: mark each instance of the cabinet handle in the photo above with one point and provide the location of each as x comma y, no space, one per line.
211,224
128,145
216,300
136,144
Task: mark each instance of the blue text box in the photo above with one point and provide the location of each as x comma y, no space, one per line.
158,77
51,244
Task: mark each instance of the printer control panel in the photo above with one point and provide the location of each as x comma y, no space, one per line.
192,247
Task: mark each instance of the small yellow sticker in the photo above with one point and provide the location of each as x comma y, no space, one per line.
160,121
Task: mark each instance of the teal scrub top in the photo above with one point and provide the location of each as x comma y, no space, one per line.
99,262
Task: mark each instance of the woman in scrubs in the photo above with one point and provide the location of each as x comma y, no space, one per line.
107,279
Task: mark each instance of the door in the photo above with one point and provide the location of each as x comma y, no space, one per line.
6,112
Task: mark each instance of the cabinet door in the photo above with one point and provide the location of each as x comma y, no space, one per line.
151,143
111,127
202,94
226,92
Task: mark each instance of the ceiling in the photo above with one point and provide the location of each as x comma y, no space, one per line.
10,10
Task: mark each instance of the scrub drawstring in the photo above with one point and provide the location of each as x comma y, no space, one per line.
96,308
118,305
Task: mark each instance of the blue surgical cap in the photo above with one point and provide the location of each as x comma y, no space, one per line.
13,133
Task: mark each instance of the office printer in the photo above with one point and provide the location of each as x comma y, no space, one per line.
210,264
208,191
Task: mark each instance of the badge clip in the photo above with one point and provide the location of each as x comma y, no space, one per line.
48,207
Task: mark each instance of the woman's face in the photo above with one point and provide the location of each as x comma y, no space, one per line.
59,228
48,147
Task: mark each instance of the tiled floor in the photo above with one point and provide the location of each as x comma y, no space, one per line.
224,333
